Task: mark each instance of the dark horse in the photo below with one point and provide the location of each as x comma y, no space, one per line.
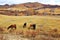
33,26
12,26
24,26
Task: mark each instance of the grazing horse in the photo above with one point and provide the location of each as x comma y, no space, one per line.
33,26
12,26
24,26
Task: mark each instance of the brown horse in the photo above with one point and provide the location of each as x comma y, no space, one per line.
33,26
12,26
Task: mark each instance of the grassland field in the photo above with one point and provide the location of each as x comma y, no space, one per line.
48,22
44,22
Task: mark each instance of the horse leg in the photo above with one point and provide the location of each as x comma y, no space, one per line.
15,27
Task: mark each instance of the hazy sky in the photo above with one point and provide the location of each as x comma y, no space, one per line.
52,2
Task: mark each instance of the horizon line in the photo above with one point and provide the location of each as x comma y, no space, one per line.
28,2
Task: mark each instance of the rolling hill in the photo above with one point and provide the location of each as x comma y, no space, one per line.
28,9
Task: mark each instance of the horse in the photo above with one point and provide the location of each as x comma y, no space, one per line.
12,26
33,26
24,26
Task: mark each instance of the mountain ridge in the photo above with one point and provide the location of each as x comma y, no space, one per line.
29,9
32,4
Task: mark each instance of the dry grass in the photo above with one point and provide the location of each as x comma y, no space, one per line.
47,10
44,25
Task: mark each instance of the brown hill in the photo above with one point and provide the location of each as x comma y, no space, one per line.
29,8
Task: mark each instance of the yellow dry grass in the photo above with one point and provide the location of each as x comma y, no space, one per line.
48,22
47,10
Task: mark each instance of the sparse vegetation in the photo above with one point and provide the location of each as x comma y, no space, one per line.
28,9
44,26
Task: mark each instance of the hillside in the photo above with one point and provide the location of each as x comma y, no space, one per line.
28,9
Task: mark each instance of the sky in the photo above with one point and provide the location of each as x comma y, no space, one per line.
52,2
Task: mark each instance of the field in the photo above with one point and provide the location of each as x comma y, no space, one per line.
45,23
